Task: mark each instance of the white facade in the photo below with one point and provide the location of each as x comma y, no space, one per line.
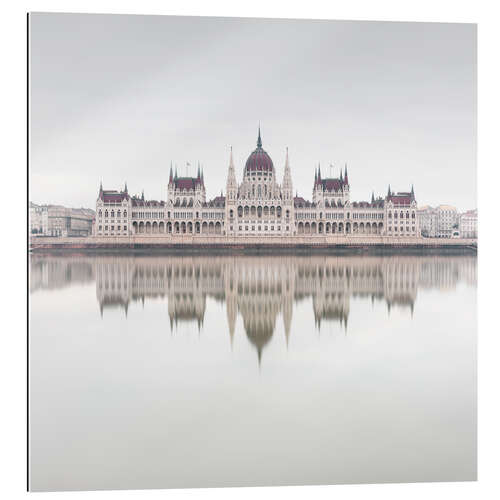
468,224
258,206
56,220
439,222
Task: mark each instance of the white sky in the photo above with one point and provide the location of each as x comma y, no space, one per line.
118,98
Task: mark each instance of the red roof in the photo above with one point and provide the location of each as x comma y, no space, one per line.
187,183
300,202
400,198
113,196
260,161
331,184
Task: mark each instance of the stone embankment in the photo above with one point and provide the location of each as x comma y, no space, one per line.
244,244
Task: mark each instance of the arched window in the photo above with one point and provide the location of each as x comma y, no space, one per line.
100,213
112,213
106,213
395,214
407,215
413,215
390,215
124,213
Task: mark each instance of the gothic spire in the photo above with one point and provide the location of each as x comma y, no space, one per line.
126,189
389,191
373,196
287,178
231,177
259,140
346,179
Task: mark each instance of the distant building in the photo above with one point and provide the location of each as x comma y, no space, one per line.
39,221
468,224
439,222
258,206
56,220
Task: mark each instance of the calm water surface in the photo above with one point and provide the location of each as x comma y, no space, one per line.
156,372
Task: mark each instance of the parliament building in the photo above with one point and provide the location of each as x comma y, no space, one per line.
258,206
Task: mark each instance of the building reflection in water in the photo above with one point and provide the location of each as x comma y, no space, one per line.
258,288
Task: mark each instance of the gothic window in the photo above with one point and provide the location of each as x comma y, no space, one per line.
112,213
259,211
124,213
259,191
119,214
100,213
106,213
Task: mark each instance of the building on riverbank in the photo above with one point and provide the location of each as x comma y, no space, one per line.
444,221
56,220
468,224
257,206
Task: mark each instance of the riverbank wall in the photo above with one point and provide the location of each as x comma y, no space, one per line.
183,244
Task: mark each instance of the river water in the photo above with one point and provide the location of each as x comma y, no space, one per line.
158,372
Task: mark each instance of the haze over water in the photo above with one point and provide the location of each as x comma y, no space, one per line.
156,372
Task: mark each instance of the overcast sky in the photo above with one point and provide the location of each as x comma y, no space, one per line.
118,98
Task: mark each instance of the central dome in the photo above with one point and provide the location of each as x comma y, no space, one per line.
259,160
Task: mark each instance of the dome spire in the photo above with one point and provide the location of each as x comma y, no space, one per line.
259,140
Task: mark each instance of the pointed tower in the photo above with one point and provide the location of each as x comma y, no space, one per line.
345,185
231,197
373,197
389,191
231,185
125,190
287,186
287,194
259,140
